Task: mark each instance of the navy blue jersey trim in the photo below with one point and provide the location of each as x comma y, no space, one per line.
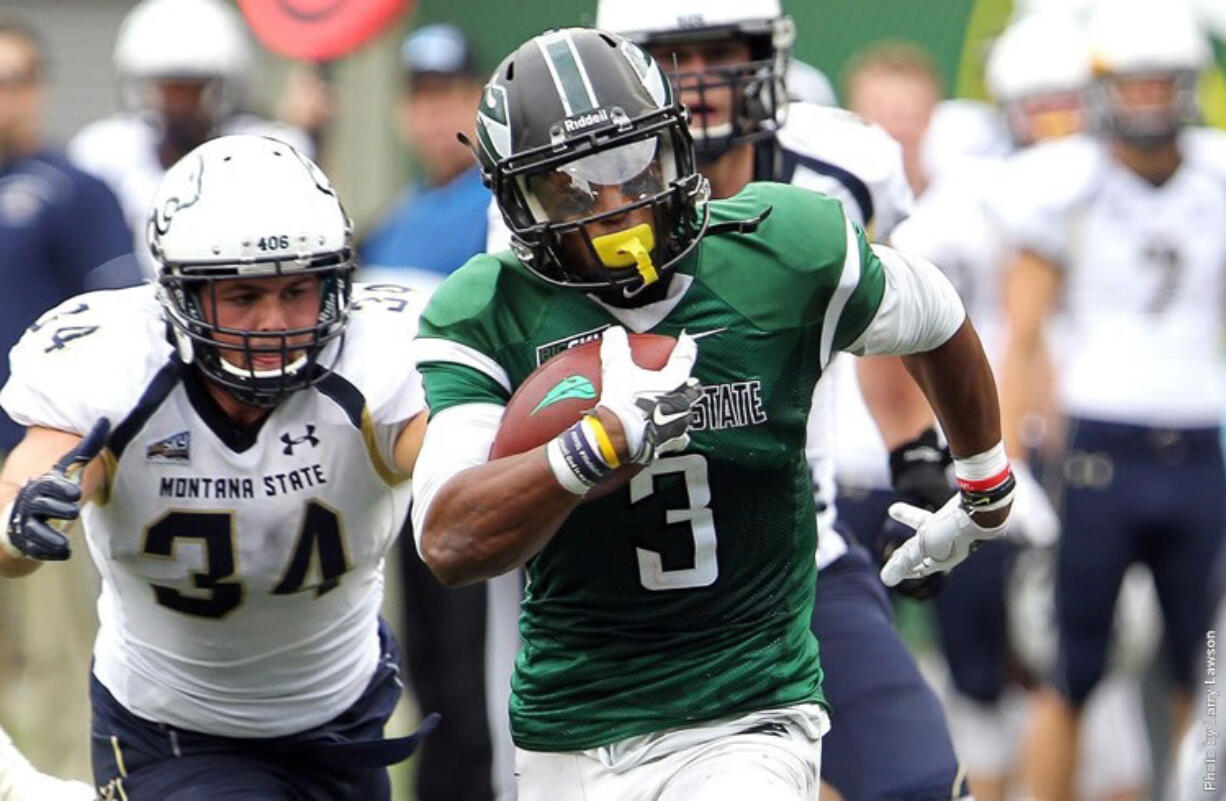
850,181
153,396
236,437
346,395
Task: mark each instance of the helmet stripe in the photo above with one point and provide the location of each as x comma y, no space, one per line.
565,67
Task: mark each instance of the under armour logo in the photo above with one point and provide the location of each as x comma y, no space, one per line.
290,442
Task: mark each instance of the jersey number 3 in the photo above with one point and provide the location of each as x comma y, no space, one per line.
320,534
652,573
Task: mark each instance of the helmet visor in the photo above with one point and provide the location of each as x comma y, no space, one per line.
600,183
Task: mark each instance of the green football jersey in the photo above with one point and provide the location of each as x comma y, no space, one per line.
686,595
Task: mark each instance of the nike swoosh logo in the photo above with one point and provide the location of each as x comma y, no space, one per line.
702,334
665,419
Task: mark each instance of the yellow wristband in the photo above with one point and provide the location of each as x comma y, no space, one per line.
602,439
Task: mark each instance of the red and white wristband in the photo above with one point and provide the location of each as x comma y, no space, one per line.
985,480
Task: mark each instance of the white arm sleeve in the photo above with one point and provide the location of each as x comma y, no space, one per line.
920,309
456,439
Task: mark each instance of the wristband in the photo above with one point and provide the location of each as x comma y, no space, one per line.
985,480
578,457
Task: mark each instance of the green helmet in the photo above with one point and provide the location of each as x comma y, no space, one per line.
569,116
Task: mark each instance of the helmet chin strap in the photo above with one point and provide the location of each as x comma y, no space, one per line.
631,247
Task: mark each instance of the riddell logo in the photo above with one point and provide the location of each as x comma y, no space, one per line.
581,121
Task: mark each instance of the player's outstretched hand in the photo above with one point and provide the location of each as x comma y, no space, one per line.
55,495
653,406
942,540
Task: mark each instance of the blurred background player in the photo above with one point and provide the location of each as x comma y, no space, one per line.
438,222
61,233
1120,232
1038,72
183,67
728,73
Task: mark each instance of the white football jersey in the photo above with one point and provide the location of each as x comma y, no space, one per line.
242,570
122,151
1144,276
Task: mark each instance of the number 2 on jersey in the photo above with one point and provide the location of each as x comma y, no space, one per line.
320,534
652,573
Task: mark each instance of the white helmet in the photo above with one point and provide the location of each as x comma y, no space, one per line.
253,207
758,84
1038,54
1145,38
1079,10
1132,36
1038,72
204,39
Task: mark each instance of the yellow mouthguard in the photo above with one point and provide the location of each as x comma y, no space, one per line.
631,247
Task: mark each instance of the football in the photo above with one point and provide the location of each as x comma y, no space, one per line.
555,395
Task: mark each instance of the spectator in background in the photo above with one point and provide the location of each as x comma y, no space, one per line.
61,233
182,68
61,230
441,89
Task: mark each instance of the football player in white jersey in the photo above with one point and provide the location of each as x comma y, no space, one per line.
266,416
1123,231
183,66
730,59
1038,72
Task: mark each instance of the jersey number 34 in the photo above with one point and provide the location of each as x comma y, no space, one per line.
319,534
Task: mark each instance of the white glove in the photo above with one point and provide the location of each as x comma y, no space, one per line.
1033,520
942,540
653,406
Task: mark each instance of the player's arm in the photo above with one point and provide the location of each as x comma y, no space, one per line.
408,443
919,316
1032,285
479,518
33,490
475,519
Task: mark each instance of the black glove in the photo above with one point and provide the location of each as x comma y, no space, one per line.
917,474
55,495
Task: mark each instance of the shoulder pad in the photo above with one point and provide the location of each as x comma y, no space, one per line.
840,137
377,357
92,355
849,149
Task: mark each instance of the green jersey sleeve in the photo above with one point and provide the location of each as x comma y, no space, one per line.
456,345
816,268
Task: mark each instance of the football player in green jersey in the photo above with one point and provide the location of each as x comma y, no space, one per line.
667,652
